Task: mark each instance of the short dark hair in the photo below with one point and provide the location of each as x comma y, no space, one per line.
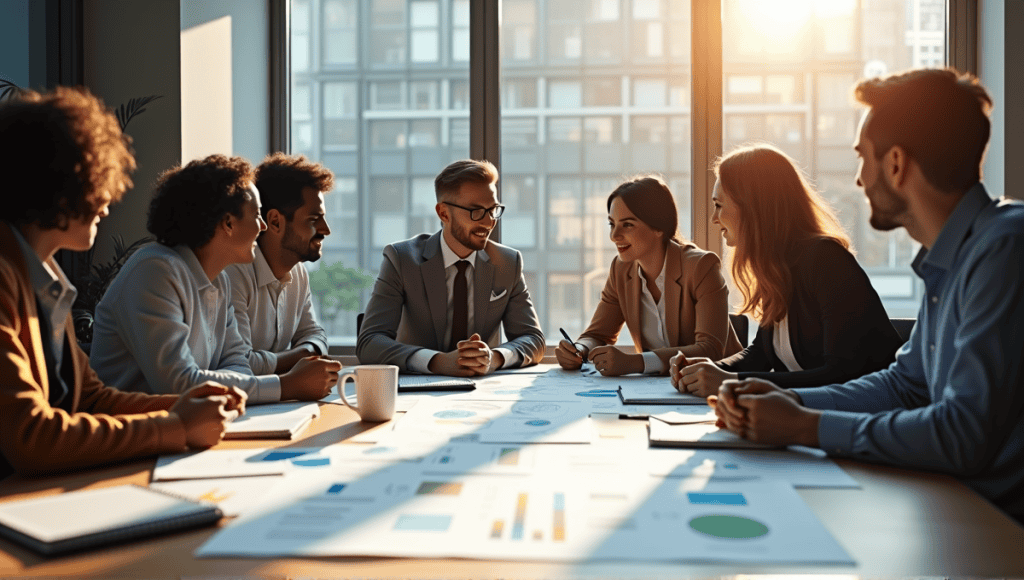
651,201
452,177
281,178
939,116
190,201
69,146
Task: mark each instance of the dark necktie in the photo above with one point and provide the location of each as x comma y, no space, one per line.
460,306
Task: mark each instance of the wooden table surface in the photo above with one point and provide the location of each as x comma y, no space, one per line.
900,523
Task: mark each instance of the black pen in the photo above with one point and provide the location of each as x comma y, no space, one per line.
569,340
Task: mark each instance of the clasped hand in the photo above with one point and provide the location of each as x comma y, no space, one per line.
696,375
205,410
762,412
472,357
608,360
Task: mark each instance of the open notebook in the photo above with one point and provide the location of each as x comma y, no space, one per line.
79,520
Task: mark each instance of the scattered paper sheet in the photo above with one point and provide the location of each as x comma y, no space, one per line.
799,466
698,435
233,495
216,463
403,513
497,421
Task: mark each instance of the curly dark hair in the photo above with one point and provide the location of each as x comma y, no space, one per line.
68,148
939,116
281,178
190,201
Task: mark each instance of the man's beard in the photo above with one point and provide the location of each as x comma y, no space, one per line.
306,252
465,237
886,206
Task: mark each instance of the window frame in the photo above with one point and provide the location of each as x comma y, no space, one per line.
706,89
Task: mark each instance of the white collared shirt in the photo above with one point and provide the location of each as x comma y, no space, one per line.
783,345
652,320
420,360
164,327
273,315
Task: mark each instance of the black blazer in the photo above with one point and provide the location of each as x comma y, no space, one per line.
839,329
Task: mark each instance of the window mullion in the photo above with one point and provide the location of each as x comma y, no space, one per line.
484,73
706,115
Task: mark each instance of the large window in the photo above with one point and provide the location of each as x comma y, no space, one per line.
787,80
590,92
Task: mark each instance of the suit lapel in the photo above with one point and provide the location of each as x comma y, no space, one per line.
673,292
483,283
432,271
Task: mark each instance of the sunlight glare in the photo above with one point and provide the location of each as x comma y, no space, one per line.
777,18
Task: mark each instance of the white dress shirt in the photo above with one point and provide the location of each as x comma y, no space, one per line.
783,345
652,319
420,360
164,327
273,315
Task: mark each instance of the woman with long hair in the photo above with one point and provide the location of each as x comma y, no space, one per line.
669,293
819,319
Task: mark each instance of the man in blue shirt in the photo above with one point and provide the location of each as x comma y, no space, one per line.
954,400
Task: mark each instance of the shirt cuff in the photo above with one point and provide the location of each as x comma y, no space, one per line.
319,347
817,398
653,364
419,361
835,432
511,358
268,364
268,389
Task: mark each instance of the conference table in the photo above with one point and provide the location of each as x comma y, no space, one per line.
899,523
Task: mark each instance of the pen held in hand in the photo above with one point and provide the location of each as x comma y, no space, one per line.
575,350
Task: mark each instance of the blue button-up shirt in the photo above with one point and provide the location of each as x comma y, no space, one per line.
954,399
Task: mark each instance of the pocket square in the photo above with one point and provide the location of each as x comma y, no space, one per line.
496,296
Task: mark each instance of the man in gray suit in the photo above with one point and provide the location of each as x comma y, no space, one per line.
439,298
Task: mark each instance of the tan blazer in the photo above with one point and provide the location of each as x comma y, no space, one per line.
105,424
696,306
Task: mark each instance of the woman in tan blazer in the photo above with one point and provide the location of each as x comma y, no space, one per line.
670,294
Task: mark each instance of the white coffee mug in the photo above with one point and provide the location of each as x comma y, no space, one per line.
376,391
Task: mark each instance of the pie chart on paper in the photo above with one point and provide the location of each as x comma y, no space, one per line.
729,527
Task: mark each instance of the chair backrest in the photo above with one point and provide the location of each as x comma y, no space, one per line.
741,324
903,326
359,322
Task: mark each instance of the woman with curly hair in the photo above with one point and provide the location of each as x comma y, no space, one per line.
65,160
669,293
165,324
819,319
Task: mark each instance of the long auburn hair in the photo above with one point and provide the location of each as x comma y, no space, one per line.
779,211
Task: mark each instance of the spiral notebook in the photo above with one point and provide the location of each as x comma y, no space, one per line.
79,520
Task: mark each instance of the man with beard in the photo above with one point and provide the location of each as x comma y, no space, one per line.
439,298
271,298
954,400
166,323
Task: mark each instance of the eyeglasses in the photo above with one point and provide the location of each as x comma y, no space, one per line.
477,214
